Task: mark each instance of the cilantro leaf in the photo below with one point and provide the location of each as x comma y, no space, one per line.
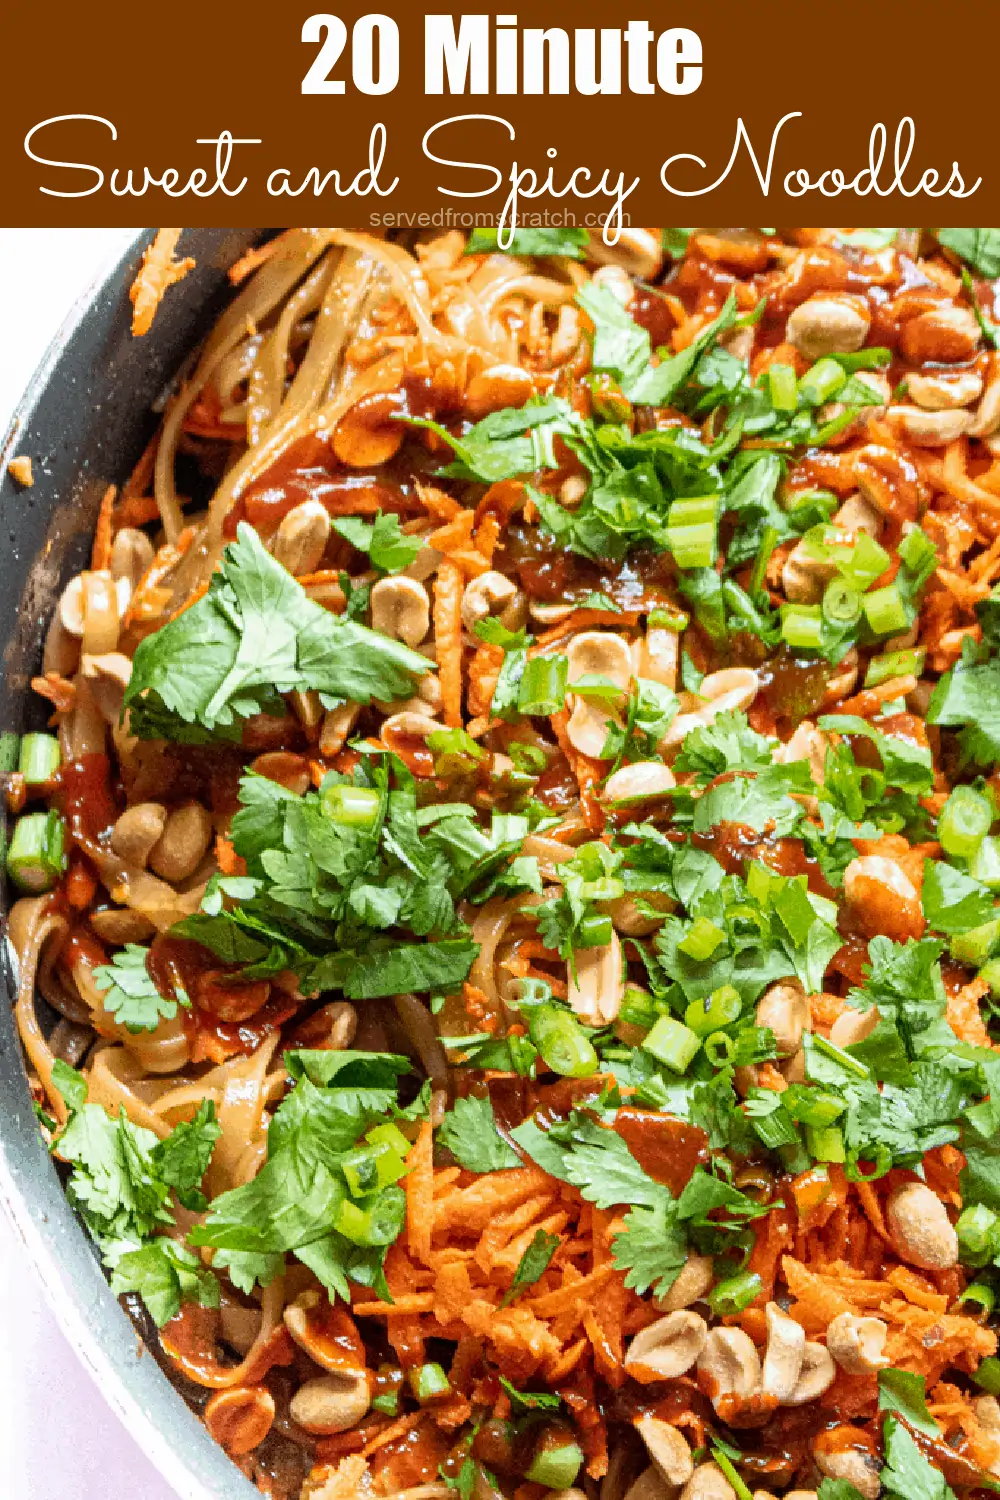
256,634
524,241
508,443
132,997
182,1159
902,1391
165,1274
469,1131
532,1264
953,902
908,1473
980,247
525,1401
389,549
968,697
652,1248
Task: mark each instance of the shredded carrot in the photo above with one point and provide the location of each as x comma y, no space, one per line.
79,886
397,1429
419,1184
20,469
448,589
487,535
100,556
158,272
229,862
60,692
417,1302
454,535
437,504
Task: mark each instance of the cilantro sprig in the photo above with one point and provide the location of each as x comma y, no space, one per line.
255,635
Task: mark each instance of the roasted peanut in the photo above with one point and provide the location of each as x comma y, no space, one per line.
138,831
944,391
844,1453
668,1347
300,540
816,1375
828,324
884,897
695,1279
401,609
786,1341
728,1368
785,1009
667,1448
131,554
485,595
240,1418
920,1228
708,1483
928,429
637,251
336,726
497,387
853,1026
331,1403
642,779
595,991
946,333
857,1344
183,843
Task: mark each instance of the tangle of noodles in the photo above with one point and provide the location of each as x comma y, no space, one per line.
658,880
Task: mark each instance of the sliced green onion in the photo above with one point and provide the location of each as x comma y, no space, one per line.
674,620
692,532
812,1106
672,1043
978,1230
895,664
37,854
991,973
725,1463
821,383
802,626
594,930
838,1055
389,1135
350,806
879,1166
387,1403
542,689
720,1009
556,1466
765,551
964,822
987,1377
703,939
867,562
826,1143
429,1381
369,1168
841,604
984,865
375,1222
720,1049
977,945
783,387
561,1041
885,611
39,759
638,1008
455,751
981,1296
734,1294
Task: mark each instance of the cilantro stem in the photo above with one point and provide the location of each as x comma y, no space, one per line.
846,1061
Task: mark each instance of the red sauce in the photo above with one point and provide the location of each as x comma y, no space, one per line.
666,1148
333,1338
85,799
221,1039
652,311
410,1460
732,844
557,786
